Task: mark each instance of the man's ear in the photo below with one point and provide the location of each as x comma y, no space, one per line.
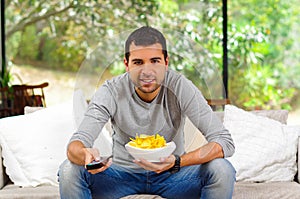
126,64
167,62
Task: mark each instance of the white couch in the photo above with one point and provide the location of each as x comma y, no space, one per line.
44,187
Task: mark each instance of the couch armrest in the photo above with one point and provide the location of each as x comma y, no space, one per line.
298,161
4,179
2,172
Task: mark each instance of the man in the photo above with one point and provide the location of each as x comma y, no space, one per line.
149,99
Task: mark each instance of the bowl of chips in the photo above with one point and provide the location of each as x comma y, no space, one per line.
150,147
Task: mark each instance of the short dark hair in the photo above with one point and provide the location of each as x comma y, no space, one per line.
146,36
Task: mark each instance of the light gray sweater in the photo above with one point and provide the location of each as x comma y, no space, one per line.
178,98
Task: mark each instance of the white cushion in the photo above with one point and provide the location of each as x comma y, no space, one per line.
265,148
34,145
192,136
32,109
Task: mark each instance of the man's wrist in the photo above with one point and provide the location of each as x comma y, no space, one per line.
176,166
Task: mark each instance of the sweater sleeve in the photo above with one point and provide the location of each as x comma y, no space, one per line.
97,115
195,107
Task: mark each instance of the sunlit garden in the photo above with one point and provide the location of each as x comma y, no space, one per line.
263,46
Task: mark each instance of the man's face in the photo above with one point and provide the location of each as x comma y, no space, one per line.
147,66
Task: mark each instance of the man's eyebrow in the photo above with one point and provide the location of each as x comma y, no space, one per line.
154,58
136,59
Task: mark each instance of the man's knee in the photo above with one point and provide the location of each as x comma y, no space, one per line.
219,178
69,172
73,181
220,168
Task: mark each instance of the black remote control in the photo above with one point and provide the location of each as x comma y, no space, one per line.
97,164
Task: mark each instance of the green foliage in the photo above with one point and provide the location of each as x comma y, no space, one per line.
63,52
5,81
12,45
66,34
7,78
168,6
260,73
260,88
28,47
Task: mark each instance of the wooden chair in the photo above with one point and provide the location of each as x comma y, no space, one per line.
215,103
5,102
14,99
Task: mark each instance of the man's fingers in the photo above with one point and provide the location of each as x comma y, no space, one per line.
103,168
91,154
157,167
95,153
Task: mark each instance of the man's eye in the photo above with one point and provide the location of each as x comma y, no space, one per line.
156,61
137,62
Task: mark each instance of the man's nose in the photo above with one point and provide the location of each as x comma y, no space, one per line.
147,68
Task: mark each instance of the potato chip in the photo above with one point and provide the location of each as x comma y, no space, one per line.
148,141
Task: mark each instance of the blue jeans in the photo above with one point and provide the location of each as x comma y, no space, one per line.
214,180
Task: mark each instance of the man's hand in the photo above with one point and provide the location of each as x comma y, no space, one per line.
78,154
158,167
92,154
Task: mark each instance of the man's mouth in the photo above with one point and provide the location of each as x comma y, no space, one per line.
147,81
